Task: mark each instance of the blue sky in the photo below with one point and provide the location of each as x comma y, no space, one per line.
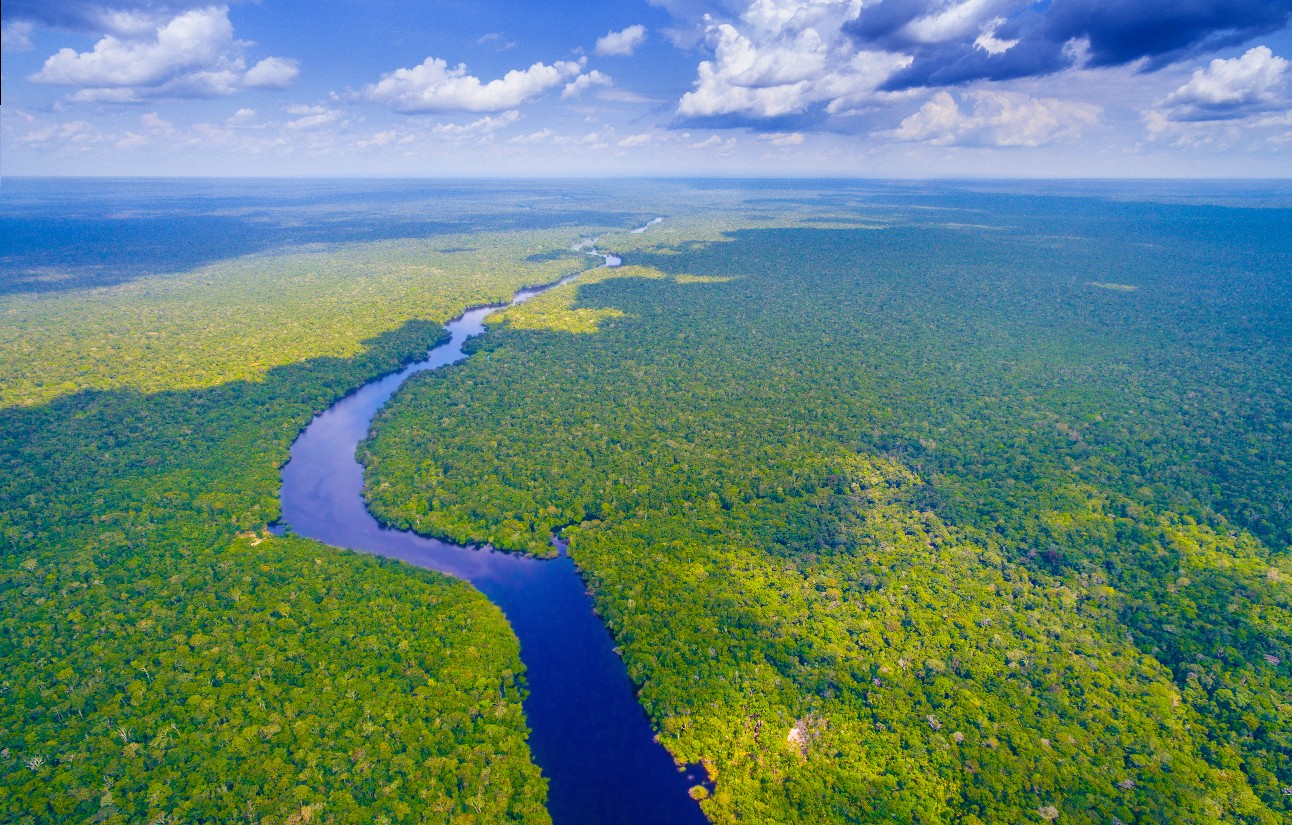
868,88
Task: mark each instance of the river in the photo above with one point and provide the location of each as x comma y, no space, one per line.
590,736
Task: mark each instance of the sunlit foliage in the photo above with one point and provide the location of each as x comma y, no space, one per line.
915,524
237,319
161,658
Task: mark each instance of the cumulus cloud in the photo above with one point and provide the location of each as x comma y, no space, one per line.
995,119
272,73
583,82
193,54
621,43
1230,89
189,42
951,42
958,42
434,87
782,58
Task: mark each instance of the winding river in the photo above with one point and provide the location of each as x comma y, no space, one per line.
590,737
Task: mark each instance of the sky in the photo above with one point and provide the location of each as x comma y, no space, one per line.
856,88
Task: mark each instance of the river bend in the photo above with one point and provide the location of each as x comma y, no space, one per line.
590,736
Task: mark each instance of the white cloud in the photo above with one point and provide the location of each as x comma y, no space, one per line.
951,23
74,134
996,119
592,140
434,87
153,126
306,128
854,85
106,96
938,121
379,139
1077,50
634,140
192,41
541,136
783,138
621,43
1230,89
993,45
192,54
581,83
155,123
16,37
1235,104
715,142
497,41
782,57
1281,123
616,95
311,117
125,22
272,73
485,125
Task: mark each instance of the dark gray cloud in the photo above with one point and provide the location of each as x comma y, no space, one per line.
1121,31
1054,34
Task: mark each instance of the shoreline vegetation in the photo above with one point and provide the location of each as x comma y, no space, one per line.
164,656
945,506
589,734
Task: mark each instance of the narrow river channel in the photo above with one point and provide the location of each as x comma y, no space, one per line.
590,736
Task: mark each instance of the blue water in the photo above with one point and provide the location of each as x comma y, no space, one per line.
590,736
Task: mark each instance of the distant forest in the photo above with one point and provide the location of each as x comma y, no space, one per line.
902,504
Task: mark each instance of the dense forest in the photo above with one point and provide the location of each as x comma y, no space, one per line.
164,659
902,503
236,319
980,514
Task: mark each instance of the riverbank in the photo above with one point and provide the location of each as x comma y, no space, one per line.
590,736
